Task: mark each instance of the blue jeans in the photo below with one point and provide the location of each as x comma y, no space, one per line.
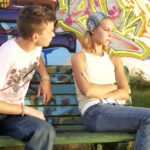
107,117
37,133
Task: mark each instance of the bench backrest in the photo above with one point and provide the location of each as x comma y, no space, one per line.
62,111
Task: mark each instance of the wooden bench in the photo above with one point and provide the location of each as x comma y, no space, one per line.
63,113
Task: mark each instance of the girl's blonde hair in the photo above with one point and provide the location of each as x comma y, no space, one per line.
92,22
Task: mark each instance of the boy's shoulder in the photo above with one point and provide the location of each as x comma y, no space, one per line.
8,49
8,45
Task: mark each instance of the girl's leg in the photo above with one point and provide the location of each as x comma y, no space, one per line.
120,118
38,134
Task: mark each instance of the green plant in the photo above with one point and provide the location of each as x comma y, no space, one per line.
139,82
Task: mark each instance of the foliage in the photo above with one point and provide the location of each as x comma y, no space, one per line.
139,82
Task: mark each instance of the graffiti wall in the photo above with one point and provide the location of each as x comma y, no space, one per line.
132,23
131,36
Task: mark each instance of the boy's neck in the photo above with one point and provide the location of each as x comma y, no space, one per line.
25,44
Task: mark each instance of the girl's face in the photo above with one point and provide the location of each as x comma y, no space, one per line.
103,32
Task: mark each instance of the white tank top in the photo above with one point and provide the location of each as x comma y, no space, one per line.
99,70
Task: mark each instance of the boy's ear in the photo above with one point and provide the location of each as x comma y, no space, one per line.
35,37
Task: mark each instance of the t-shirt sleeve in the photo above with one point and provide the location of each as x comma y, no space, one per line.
4,67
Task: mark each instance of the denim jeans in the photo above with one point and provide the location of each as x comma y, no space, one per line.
107,117
37,133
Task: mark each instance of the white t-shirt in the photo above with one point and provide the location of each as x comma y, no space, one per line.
16,70
98,70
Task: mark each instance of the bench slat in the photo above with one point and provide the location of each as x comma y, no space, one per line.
63,128
65,121
76,138
55,78
8,141
67,69
86,137
56,89
56,100
59,110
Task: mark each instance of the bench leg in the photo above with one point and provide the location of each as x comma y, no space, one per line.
112,146
108,146
99,147
122,146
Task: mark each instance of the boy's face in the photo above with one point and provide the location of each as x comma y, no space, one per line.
47,35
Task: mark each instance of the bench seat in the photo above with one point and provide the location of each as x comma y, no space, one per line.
76,137
63,113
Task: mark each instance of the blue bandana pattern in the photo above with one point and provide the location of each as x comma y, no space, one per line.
94,20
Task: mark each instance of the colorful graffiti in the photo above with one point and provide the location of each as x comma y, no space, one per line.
132,22
131,36
8,30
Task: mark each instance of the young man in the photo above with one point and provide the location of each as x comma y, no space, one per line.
19,58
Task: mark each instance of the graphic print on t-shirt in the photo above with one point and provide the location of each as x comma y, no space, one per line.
19,78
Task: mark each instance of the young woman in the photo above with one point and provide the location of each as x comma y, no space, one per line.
100,99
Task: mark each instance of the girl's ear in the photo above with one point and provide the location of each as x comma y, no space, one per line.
93,31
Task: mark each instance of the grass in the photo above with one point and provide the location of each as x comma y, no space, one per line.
141,98
140,89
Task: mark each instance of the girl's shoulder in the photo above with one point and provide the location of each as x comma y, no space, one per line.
78,58
78,55
112,56
115,59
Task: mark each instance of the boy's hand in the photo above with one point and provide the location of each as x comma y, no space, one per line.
45,86
33,112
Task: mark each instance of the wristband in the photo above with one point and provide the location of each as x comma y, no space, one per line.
45,80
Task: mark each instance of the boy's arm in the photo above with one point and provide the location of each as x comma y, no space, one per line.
45,84
11,109
7,108
16,109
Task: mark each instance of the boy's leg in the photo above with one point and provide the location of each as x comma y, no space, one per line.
38,134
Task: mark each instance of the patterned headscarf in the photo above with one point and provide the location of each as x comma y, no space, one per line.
94,20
